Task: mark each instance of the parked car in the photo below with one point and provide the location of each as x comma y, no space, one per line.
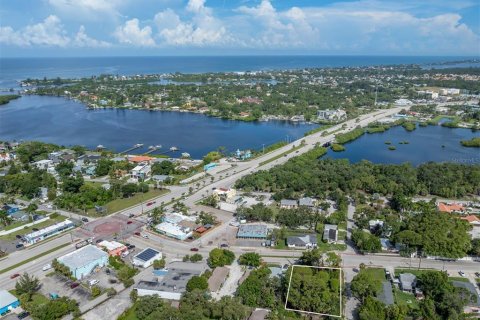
74,285
23,315
194,249
131,215
150,203
34,229
461,273
137,234
85,219
477,274
13,276
93,282
224,245
47,267
98,240
19,245
18,236
131,246
107,271
129,222
145,236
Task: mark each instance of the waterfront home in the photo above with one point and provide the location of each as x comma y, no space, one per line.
330,233
43,164
451,207
140,159
472,219
141,172
288,204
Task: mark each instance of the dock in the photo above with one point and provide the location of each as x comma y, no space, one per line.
137,146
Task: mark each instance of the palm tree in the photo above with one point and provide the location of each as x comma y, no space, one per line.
5,218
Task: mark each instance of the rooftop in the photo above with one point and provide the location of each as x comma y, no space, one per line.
288,202
252,231
6,298
146,254
82,256
302,240
217,278
174,281
64,224
450,207
110,245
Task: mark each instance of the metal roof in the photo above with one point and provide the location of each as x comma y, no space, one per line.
252,231
82,257
6,298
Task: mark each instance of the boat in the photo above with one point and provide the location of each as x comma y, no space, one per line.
173,149
100,146
158,146
151,147
138,145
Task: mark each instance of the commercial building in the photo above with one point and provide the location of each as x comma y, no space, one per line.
176,226
7,301
252,231
113,248
47,232
146,257
171,286
84,261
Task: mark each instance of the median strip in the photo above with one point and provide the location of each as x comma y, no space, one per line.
33,258
280,155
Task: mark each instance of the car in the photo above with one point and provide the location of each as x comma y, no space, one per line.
224,245
131,215
74,285
129,222
285,155
23,315
18,236
477,274
85,219
150,203
125,253
145,236
461,273
98,240
49,206
19,245
35,229
13,276
194,249
131,246
93,282
47,267
107,271
137,234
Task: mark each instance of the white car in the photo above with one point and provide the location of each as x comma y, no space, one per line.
125,253
145,236
47,267
93,282
462,273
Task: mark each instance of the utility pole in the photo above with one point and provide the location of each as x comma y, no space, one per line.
263,147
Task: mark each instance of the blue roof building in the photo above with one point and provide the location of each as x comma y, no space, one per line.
84,261
7,301
252,231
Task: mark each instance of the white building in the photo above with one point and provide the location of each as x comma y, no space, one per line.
141,172
43,164
84,261
331,115
403,102
47,232
174,230
146,257
449,92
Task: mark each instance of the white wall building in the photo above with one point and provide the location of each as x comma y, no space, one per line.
141,172
146,257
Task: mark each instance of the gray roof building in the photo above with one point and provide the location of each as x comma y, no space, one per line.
252,231
330,233
407,281
307,202
288,203
386,296
305,240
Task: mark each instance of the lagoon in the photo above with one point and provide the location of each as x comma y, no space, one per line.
66,122
424,144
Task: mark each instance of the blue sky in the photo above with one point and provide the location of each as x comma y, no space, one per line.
217,27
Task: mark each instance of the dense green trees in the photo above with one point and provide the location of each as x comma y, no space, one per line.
257,212
103,167
250,259
259,290
197,283
364,285
220,257
163,168
54,309
27,285
315,290
34,151
365,241
27,184
307,175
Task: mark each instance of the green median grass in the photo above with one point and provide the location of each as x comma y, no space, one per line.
34,258
281,155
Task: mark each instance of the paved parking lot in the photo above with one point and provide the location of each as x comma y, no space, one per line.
61,286
118,225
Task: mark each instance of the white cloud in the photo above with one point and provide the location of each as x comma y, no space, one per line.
47,33
87,9
203,29
131,33
83,40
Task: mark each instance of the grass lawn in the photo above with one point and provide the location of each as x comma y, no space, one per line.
461,279
120,204
37,298
342,225
281,155
378,274
44,224
414,271
405,299
320,244
129,314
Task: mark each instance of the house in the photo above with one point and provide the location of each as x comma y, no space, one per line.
252,231
171,286
218,277
8,302
84,261
141,172
259,314
288,204
408,282
43,193
113,248
10,208
243,155
472,219
146,257
43,164
174,230
90,171
140,159
225,194
307,202
450,207
373,224
160,177
330,233
19,216
302,241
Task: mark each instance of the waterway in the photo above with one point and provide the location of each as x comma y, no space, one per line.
425,144
66,122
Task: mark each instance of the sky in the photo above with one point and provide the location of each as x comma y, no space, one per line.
239,27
